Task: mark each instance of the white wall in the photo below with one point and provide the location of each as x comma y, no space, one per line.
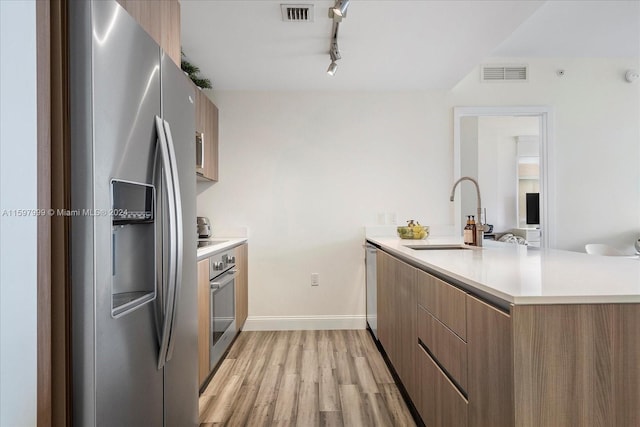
306,170
17,234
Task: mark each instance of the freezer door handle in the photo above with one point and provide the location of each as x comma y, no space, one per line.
167,175
179,238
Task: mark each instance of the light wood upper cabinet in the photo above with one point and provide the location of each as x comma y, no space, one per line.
242,285
207,126
161,19
203,320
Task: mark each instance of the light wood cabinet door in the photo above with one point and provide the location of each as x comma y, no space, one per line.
438,401
444,301
203,320
396,292
445,346
490,365
242,285
170,29
161,20
207,125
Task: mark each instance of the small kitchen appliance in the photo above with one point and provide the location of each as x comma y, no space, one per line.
204,227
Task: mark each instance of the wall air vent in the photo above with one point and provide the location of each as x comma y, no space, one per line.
504,73
297,12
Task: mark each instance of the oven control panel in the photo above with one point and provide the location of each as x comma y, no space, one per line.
221,262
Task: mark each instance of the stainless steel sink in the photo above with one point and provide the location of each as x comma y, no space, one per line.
438,247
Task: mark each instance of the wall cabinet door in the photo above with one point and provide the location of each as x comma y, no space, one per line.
161,19
207,125
397,315
203,320
242,285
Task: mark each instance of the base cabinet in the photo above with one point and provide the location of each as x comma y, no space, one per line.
477,365
242,285
396,294
438,401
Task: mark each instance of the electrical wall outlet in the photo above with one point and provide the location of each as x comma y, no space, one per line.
315,279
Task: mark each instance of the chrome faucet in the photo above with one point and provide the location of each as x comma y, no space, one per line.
479,224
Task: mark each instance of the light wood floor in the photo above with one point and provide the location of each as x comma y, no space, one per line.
303,378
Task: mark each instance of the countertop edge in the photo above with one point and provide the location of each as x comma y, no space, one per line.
229,243
504,299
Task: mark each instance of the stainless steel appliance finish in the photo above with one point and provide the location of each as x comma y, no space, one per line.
372,310
199,153
222,327
204,227
134,324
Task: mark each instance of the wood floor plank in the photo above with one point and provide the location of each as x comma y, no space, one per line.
303,378
328,394
397,407
219,380
309,369
353,410
376,407
243,406
365,376
331,419
293,362
345,369
308,414
287,400
219,408
326,357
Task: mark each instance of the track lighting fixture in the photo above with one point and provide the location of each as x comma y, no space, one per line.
337,13
340,9
332,68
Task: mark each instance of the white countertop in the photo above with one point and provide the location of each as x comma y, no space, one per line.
222,243
519,274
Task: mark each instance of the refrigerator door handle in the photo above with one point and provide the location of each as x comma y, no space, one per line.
179,238
167,174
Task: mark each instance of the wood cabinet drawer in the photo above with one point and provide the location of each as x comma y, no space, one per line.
445,346
446,302
440,404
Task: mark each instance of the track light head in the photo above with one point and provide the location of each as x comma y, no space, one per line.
340,9
332,68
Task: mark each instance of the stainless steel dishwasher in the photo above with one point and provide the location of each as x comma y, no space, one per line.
372,310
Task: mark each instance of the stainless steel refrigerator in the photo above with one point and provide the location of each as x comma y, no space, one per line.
133,242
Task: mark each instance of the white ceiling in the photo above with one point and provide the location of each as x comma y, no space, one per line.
397,44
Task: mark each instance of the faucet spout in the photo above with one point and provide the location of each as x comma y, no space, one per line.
480,225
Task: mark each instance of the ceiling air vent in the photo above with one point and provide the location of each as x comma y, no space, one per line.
503,73
297,12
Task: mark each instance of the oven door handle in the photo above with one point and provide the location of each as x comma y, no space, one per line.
218,285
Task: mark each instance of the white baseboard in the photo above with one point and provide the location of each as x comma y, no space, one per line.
294,323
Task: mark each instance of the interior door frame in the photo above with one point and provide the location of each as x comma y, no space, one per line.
547,167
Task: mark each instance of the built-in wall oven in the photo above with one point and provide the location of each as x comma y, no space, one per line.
222,311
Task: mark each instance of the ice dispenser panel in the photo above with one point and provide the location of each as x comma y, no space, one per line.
132,245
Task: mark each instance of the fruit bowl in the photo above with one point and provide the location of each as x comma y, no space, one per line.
414,232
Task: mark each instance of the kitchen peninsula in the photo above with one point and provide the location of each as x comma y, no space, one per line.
510,335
